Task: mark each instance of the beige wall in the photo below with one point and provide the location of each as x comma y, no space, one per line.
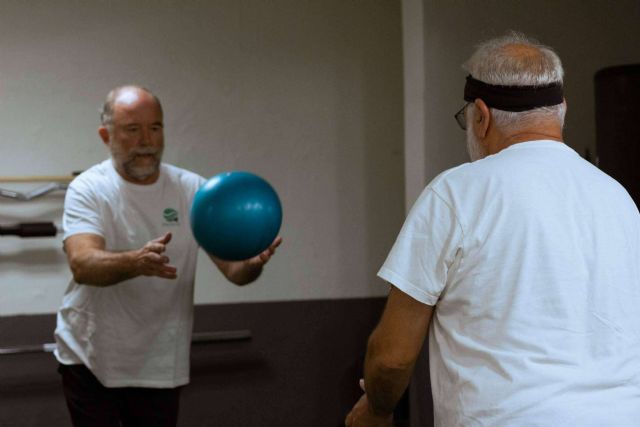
307,94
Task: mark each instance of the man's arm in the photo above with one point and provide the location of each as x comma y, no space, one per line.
244,272
91,264
392,351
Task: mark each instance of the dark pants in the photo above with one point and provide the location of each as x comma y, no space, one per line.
92,404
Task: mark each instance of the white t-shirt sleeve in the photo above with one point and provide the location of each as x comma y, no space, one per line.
81,211
428,244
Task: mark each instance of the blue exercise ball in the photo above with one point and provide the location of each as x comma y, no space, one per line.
235,215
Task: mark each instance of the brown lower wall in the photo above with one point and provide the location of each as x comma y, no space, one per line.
301,367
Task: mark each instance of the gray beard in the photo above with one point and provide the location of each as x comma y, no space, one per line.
140,173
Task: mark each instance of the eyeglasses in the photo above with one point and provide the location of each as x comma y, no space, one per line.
461,118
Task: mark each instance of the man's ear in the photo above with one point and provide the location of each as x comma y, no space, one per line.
104,134
481,119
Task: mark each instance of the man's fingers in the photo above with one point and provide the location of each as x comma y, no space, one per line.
276,243
166,238
158,245
156,258
265,256
155,247
168,272
164,271
267,253
154,264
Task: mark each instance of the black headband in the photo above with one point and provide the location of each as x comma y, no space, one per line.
513,98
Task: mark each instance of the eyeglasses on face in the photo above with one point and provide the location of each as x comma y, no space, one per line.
461,118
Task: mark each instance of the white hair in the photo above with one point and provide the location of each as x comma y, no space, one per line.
516,60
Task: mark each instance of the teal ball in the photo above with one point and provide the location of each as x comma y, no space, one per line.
235,215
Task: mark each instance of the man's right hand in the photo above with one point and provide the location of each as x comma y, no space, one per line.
91,264
149,260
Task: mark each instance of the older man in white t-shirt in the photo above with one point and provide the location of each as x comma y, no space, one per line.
124,328
522,268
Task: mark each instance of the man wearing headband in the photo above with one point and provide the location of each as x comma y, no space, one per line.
521,267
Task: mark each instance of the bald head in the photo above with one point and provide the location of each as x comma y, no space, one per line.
125,95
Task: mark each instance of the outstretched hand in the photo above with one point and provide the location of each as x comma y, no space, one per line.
149,260
362,416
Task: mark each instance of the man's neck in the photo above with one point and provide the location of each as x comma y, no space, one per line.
551,132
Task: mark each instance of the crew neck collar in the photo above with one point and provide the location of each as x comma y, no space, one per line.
538,143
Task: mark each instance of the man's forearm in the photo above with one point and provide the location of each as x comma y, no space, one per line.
384,387
103,268
392,351
385,381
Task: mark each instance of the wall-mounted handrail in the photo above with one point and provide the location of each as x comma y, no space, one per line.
56,182
38,192
39,178
196,338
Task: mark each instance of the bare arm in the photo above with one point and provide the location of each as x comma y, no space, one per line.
91,264
244,272
392,351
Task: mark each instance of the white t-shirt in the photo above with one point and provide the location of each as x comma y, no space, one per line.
136,333
531,257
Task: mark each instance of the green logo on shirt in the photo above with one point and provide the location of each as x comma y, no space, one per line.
170,215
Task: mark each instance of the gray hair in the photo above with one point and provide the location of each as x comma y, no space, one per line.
106,112
516,60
